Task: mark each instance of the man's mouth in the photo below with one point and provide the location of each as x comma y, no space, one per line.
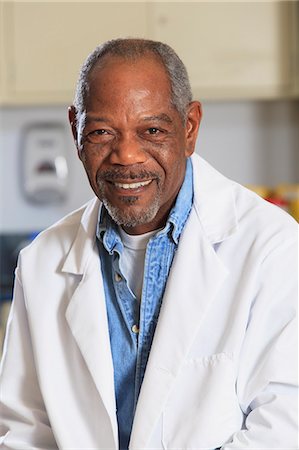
134,185
126,183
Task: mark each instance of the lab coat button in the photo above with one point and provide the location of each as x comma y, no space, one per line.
135,329
117,277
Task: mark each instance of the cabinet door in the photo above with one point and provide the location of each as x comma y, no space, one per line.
2,73
48,42
231,49
295,56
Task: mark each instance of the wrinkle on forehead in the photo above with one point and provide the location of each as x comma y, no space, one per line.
145,70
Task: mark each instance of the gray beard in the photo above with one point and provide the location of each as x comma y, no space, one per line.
130,217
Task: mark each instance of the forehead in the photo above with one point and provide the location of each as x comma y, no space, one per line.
115,77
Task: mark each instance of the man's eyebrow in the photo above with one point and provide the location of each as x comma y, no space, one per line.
159,118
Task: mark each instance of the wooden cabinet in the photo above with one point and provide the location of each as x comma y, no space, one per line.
295,47
231,49
45,44
2,57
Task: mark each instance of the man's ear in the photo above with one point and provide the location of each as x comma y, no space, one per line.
194,114
73,122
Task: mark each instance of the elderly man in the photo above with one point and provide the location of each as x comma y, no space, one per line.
161,314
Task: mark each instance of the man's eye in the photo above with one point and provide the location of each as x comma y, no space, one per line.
99,132
153,130
96,136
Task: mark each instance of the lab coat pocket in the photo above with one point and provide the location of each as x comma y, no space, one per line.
202,411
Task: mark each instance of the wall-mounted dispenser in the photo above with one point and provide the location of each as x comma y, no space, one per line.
44,163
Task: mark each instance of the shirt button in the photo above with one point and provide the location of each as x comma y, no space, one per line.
117,277
135,329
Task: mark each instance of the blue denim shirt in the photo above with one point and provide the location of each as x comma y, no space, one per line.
132,324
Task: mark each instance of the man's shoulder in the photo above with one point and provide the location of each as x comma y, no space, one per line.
226,205
263,222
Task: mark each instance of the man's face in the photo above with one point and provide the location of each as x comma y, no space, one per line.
133,143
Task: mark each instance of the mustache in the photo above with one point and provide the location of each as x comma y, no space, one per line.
125,174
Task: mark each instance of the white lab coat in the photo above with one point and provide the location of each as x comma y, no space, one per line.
222,368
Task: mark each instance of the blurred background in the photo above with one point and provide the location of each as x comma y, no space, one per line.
243,62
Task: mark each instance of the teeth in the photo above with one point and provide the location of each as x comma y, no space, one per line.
132,185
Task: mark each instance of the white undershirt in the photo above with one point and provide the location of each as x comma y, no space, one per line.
132,259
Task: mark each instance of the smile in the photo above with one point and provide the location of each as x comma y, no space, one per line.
132,185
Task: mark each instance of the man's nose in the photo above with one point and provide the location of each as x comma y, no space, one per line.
127,151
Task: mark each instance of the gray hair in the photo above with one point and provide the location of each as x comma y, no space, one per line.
129,49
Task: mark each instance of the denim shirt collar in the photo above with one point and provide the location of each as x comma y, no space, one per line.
107,231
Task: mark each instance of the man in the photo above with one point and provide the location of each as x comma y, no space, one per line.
161,314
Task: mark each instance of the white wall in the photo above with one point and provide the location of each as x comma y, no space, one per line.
251,142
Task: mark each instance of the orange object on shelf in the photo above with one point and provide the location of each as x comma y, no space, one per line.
278,201
290,193
286,196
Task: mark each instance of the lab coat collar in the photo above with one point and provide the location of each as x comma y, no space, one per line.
214,204
214,201
84,244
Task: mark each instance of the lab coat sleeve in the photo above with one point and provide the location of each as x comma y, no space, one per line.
24,423
267,373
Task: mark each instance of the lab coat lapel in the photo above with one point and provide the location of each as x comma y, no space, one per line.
86,313
187,296
196,277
